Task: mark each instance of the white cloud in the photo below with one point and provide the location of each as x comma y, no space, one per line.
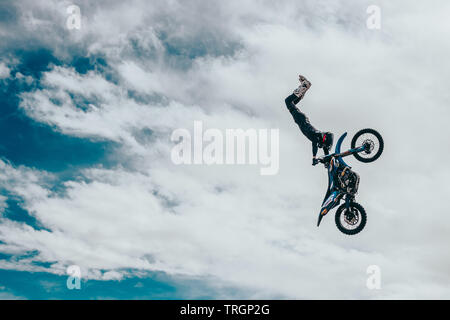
4,70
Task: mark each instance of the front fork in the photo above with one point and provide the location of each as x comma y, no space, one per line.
348,200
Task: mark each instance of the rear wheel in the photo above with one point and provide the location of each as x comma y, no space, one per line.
352,220
373,143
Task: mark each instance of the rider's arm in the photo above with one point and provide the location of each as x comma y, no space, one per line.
314,149
314,160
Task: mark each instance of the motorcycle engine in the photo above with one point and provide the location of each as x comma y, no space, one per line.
348,180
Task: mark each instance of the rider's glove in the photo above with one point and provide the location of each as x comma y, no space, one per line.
315,161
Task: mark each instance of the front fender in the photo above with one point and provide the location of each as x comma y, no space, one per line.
337,150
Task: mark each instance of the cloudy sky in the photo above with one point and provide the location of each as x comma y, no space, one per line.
86,176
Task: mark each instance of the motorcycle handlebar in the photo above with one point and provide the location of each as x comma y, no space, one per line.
323,159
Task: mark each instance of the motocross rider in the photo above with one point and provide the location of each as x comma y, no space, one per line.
319,139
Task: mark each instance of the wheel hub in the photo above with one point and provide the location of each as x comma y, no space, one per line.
369,145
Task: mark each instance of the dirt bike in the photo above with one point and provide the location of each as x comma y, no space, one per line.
366,146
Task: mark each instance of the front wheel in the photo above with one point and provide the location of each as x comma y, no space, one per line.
372,142
352,220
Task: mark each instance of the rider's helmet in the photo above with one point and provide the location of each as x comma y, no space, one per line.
326,141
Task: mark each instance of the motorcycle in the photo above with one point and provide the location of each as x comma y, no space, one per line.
366,146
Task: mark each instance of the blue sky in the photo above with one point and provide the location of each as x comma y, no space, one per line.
86,176
26,142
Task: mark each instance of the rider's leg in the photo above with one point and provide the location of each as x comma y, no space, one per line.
291,101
